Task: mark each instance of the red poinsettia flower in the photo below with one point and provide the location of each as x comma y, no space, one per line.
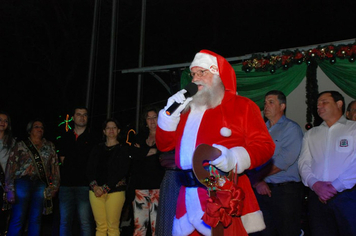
286,59
264,62
331,47
353,49
298,55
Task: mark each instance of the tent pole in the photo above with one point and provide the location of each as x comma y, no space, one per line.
112,54
92,53
140,63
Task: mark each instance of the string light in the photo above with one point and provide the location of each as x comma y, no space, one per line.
66,122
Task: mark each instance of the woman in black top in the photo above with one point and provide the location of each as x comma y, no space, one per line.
107,169
147,174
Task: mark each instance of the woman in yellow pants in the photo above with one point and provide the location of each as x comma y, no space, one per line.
107,169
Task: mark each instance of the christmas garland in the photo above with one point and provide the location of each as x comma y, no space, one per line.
312,91
289,58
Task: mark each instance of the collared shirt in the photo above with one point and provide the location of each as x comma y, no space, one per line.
328,154
287,136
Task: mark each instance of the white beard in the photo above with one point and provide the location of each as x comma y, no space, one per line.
209,97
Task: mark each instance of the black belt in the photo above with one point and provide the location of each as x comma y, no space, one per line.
272,185
174,169
188,179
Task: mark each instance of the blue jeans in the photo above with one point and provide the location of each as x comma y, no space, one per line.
28,205
74,200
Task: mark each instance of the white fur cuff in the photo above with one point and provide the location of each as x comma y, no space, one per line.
253,222
167,123
243,159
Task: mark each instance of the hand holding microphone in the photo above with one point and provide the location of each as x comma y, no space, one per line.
180,100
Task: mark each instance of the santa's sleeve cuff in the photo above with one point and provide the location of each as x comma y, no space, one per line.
243,159
167,123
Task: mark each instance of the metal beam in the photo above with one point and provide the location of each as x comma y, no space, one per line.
230,59
161,81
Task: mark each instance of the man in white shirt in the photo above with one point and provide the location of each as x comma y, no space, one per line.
327,165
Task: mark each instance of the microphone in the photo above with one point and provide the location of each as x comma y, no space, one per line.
192,89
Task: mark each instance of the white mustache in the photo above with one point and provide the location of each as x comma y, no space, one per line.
200,83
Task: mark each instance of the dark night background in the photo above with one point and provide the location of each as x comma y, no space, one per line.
45,47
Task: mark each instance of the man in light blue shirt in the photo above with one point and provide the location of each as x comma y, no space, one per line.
277,183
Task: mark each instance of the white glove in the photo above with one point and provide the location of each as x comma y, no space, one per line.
226,161
179,98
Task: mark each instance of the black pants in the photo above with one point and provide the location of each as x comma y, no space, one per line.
282,211
335,218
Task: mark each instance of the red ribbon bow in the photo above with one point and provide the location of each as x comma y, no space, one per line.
222,207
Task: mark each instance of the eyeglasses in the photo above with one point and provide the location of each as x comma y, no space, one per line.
199,73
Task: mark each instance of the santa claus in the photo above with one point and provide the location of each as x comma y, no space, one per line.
216,116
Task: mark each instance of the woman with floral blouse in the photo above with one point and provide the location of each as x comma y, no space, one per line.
32,167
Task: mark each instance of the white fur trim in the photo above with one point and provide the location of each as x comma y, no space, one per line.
243,159
206,61
253,222
195,213
225,132
167,123
182,226
192,220
189,139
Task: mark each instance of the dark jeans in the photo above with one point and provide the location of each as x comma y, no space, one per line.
335,218
74,200
282,211
28,206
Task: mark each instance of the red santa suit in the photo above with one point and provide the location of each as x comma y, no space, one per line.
236,124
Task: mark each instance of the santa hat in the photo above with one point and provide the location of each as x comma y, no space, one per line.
218,65
210,60
206,61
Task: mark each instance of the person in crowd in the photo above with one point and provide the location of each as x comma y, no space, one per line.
232,125
351,111
327,165
6,144
74,151
147,174
277,183
32,173
107,169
